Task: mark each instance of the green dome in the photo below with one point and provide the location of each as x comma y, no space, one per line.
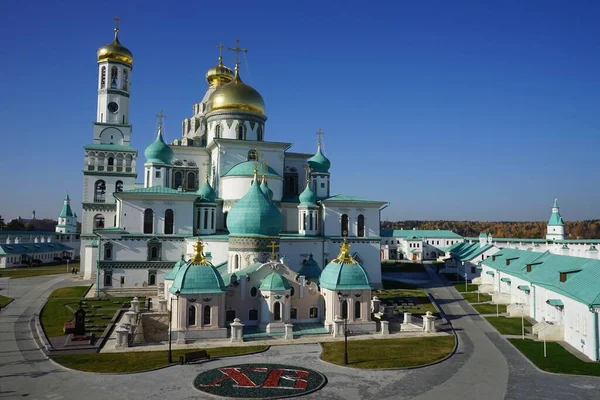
197,279
310,269
173,273
247,168
266,190
308,197
274,282
318,162
254,214
344,273
206,194
158,152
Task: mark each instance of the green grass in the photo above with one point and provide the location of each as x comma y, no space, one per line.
74,291
26,272
489,308
389,353
422,303
139,361
508,326
472,297
460,287
5,300
557,360
397,285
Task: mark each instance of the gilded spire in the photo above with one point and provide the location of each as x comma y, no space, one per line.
199,258
345,257
237,50
117,20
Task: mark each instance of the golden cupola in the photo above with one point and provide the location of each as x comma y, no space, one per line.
115,52
236,96
219,74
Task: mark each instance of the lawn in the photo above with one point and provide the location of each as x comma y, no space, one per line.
473,298
460,287
141,360
396,285
558,359
508,326
70,292
489,308
5,300
26,272
389,353
420,299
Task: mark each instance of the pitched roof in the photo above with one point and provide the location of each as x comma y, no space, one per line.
350,199
425,233
31,248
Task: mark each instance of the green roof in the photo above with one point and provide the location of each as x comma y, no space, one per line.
254,214
158,151
556,219
32,248
66,210
342,276
274,282
246,168
197,279
350,199
555,302
158,190
110,147
464,251
310,269
308,197
264,187
524,288
425,233
490,272
507,280
318,162
173,273
207,194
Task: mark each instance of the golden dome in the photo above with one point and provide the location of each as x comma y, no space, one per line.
236,95
115,52
219,74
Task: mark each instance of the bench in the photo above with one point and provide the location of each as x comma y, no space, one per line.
192,356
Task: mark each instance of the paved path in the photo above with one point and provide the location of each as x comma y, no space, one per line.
486,366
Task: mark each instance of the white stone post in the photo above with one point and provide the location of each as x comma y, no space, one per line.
407,318
130,317
338,326
429,322
236,330
162,305
385,327
135,305
122,337
289,332
375,304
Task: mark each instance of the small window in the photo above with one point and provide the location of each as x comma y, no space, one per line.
277,311
253,315
192,315
357,310
344,307
108,251
292,291
122,280
293,313
206,315
253,292
107,279
157,174
314,312
229,315
152,279
322,185
119,186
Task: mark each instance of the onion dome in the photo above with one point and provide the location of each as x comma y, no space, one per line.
254,214
310,269
158,152
246,168
219,74
266,189
173,273
308,197
115,52
206,194
344,273
274,283
237,96
318,162
198,275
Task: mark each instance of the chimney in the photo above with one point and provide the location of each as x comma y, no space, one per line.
507,261
493,258
528,267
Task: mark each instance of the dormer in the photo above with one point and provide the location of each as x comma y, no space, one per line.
564,275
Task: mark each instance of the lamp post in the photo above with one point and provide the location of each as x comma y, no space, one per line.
67,265
171,323
343,297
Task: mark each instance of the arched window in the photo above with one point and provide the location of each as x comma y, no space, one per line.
99,221
259,134
191,181
344,307
192,315
240,132
114,72
152,278
103,78
229,315
291,182
253,292
313,312
100,191
119,186
217,131
168,222
206,218
154,253
236,261
148,220
108,279
206,315
108,251
357,310
125,79
293,313
361,226
111,161
178,180
115,221
225,219
344,225
314,185
253,315
277,311
252,155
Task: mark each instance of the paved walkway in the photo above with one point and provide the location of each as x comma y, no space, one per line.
485,366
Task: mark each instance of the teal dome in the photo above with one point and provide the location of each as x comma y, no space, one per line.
274,282
158,151
308,197
266,190
344,273
318,162
207,194
254,214
247,168
173,273
195,278
310,269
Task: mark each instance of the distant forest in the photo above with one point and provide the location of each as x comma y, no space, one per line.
589,229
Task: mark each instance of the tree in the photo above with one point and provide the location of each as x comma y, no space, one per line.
15,225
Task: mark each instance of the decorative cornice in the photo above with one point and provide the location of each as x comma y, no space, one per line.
104,173
136,264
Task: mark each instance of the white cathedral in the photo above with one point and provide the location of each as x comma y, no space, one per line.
233,225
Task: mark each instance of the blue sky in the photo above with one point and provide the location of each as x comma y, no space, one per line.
449,110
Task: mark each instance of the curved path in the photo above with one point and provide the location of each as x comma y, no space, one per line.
485,366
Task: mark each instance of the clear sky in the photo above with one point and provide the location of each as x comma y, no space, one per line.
481,110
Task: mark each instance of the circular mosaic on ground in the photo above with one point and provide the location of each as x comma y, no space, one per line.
259,381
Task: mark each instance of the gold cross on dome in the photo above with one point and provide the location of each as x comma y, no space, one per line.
320,134
117,20
273,246
161,118
205,164
237,50
220,47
